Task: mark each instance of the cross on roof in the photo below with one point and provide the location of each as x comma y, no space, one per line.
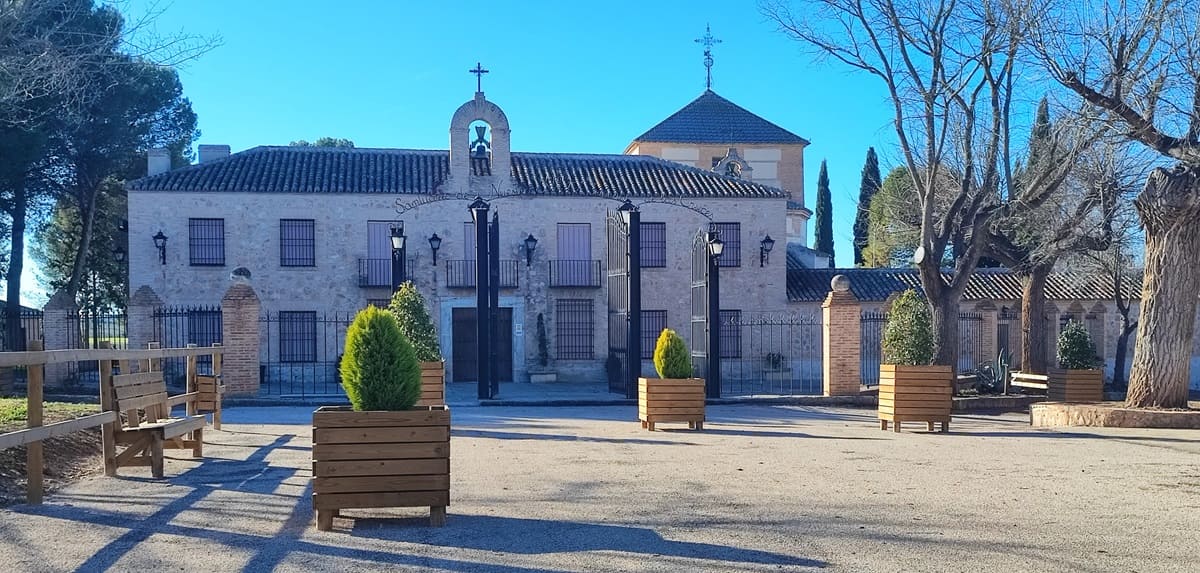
478,71
708,40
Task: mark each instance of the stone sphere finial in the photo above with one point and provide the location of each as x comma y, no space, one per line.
840,283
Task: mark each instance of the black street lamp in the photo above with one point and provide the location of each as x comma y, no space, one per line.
435,243
712,378
118,254
764,250
160,242
398,255
530,245
715,246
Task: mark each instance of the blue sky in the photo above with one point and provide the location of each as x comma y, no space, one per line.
571,76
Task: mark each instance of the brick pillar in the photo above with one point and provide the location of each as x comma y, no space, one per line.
842,326
1052,327
60,330
989,345
239,338
140,322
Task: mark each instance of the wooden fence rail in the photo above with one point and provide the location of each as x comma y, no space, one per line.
35,432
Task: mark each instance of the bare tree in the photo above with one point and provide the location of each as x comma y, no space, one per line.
950,71
1138,65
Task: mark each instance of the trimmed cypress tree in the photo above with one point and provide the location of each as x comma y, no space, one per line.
1075,348
379,368
671,358
408,306
824,213
870,184
908,334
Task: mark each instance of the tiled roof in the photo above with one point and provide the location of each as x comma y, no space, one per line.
711,118
875,285
410,171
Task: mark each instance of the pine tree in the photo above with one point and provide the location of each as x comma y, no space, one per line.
870,184
824,242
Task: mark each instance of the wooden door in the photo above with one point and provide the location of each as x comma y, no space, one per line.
574,254
463,338
379,252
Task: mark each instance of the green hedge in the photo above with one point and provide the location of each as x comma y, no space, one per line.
908,333
671,357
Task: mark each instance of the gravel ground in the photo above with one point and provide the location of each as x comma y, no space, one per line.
586,489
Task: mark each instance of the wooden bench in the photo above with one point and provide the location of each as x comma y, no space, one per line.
1030,380
144,421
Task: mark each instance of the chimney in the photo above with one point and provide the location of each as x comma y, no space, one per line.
213,152
158,160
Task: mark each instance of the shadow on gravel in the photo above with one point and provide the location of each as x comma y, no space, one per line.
765,434
537,536
497,435
1081,435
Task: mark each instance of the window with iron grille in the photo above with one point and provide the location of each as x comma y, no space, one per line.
206,242
654,245
731,235
731,333
381,303
653,323
297,336
297,243
575,329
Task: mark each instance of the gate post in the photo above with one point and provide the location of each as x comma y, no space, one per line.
493,289
841,340
479,215
989,345
60,331
140,320
240,340
633,337
712,380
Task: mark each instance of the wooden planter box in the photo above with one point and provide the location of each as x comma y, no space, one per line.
1075,385
671,400
433,384
915,394
381,459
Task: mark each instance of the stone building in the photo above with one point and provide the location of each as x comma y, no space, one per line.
312,227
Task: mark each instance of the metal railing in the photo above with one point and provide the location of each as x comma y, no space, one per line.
575,273
378,272
461,273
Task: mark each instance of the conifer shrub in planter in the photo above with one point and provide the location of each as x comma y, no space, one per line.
383,450
1077,378
408,306
674,396
541,371
910,389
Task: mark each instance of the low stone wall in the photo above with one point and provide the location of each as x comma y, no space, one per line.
1110,415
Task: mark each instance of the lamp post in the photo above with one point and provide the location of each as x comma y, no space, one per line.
530,245
479,215
632,217
435,243
712,377
160,243
764,250
398,256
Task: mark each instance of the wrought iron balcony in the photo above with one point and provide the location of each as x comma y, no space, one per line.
378,272
461,273
575,273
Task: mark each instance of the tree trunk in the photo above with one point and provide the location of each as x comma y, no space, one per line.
87,219
1122,350
12,310
944,315
1033,320
1169,208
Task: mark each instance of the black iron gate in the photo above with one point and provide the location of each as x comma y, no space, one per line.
624,364
700,318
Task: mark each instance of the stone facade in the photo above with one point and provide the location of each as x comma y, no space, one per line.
340,220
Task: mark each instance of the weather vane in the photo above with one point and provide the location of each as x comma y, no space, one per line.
708,40
479,71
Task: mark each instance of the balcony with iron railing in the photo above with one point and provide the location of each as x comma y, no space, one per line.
461,273
374,273
571,273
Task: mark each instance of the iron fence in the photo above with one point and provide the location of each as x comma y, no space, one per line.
778,354
299,353
31,329
970,343
871,346
179,326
